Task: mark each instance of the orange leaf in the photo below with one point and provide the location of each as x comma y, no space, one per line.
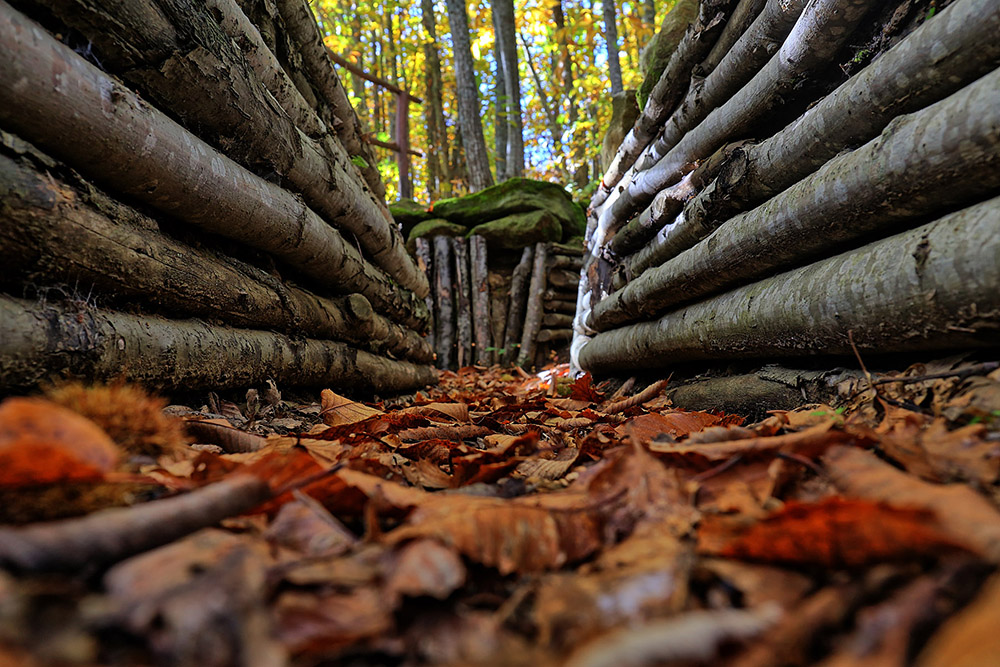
42,443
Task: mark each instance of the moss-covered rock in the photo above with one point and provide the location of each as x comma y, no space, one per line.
408,214
432,227
517,195
657,53
520,229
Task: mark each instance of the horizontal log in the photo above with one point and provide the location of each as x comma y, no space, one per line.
743,16
559,305
563,279
123,143
38,341
65,230
870,191
570,262
557,320
560,294
554,335
930,288
565,249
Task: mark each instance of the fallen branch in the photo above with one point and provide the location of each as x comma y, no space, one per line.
647,394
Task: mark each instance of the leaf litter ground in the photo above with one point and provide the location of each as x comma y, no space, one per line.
503,519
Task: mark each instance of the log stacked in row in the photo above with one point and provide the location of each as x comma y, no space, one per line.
169,161
484,314
768,204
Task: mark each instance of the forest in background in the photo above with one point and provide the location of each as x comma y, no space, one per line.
563,74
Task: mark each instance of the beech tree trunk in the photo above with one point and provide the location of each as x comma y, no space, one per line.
437,132
122,142
931,288
868,191
611,41
39,340
500,128
71,232
480,287
506,31
469,120
463,304
445,333
533,312
519,285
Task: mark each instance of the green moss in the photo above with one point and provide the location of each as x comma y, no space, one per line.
520,229
432,227
408,214
663,44
517,195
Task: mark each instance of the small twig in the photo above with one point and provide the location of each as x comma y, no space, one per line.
647,394
984,367
718,470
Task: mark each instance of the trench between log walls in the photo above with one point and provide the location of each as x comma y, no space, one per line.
841,193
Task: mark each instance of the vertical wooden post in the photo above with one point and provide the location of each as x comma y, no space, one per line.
480,299
445,327
533,313
403,139
463,305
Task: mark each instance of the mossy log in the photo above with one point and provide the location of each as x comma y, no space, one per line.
572,249
39,342
870,191
444,336
930,288
519,285
821,30
200,75
480,288
70,232
120,141
669,89
463,302
533,311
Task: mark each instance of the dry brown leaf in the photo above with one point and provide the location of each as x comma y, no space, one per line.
969,639
308,622
425,567
338,410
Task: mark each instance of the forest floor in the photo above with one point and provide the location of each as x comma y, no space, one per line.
501,518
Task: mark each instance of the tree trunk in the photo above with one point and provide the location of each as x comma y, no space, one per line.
445,333
519,285
71,232
133,148
533,313
503,11
237,115
499,284
649,13
463,304
37,341
819,33
672,84
425,256
882,185
479,282
931,288
611,40
557,320
743,15
437,131
554,335
500,127
469,121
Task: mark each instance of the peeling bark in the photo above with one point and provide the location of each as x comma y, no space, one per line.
38,341
931,288
882,185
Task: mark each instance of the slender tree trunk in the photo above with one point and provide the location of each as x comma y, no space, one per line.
519,284
463,304
500,128
649,13
931,288
437,131
506,34
611,39
445,311
868,191
469,120
743,15
180,354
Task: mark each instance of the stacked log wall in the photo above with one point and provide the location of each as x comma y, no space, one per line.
169,161
793,195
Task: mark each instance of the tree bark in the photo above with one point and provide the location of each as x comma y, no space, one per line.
425,256
955,48
562,279
470,125
37,341
445,332
68,231
533,312
500,127
559,306
672,84
743,15
479,282
506,34
821,30
931,288
611,41
557,320
499,284
554,335
519,286
463,304
439,183
238,117
865,192
571,262
122,142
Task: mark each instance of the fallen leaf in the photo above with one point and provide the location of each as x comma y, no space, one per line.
338,410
